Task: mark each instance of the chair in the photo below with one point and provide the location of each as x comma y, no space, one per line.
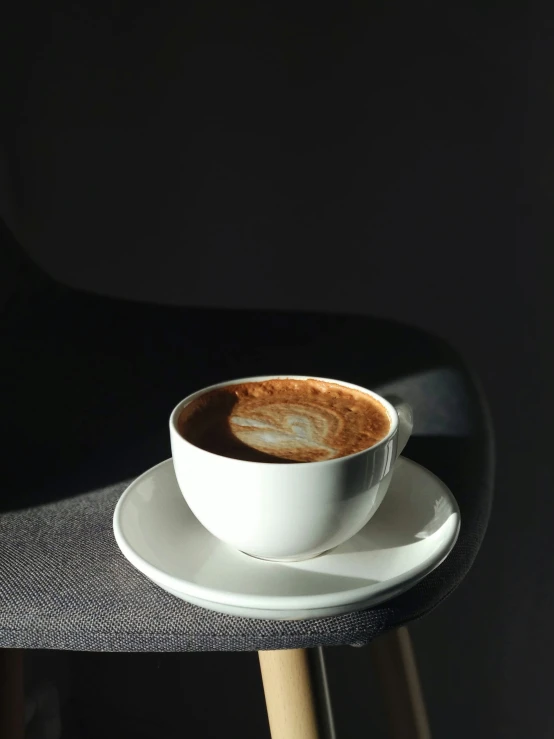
88,385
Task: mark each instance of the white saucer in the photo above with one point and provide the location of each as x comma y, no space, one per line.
412,532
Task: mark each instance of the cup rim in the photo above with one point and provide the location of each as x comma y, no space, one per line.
391,410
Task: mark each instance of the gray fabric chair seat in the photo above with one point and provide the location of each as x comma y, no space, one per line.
88,386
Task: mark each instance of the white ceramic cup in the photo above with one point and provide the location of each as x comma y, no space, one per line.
287,512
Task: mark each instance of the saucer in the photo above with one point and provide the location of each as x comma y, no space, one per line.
413,531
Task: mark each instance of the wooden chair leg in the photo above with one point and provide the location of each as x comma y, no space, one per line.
318,671
289,694
394,662
11,694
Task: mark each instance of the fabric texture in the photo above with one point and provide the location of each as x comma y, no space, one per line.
90,384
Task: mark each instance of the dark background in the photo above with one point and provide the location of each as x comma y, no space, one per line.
389,160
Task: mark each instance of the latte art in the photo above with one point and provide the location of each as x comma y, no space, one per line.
287,428
284,420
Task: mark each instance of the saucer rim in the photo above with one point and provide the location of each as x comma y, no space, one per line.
363,594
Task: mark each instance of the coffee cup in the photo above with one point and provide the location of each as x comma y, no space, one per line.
293,511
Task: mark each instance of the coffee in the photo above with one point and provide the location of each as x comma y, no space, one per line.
284,420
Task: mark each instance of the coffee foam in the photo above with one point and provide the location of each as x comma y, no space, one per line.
286,429
284,420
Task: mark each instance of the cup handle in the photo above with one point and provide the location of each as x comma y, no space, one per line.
405,421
